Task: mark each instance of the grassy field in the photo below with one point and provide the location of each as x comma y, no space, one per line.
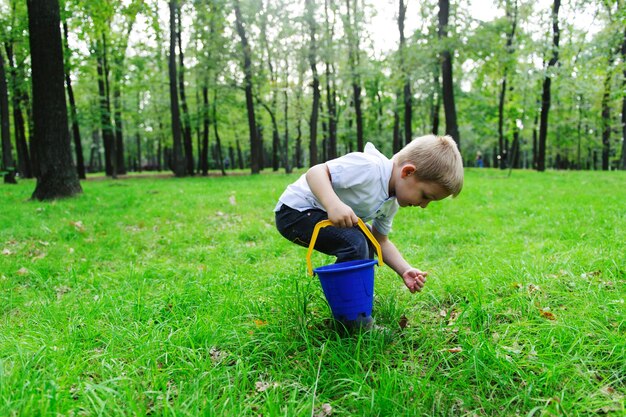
178,297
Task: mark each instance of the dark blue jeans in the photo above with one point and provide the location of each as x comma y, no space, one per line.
347,244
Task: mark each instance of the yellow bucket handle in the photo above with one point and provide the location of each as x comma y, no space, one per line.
325,223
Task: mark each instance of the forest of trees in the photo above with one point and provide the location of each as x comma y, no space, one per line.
197,85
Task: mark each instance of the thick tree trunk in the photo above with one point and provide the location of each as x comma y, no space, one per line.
58,176
452,128
545,97
178,161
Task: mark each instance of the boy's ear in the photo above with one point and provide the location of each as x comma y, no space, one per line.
407,170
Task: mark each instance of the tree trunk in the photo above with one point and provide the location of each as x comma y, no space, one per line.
58,176
204,150
331,90
117,122
286,162
255,149
78,147
218,141
312,55
408,99
623,159
108,137
452,128
545,97
8,163
353,59
187,142
606,116
178,160
24,163
503,145
436,101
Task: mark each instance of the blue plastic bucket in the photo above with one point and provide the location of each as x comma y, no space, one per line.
349,288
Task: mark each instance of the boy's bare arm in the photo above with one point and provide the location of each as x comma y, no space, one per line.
413,278
318,178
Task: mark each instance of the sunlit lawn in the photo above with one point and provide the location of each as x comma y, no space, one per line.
178,297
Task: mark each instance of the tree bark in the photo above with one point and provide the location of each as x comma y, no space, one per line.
623,158
178,160
545,97
108,137
452,128
331,90
8,164
353,59
503,145
606,115
187,142
408,99
58,176
24,162
218,141
312,55
78,147
255,151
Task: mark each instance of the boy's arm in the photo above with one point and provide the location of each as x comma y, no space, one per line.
318,178
413,278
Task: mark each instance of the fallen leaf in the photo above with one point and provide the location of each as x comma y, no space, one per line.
403,322
324,411
457,349
78,225
232,200
262,386
260,323
62,290
6,252
22,271
547,314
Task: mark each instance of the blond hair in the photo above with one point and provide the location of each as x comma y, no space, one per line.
436,159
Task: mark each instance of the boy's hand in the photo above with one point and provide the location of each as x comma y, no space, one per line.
341,215
414,279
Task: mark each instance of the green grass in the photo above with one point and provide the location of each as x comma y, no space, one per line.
178,297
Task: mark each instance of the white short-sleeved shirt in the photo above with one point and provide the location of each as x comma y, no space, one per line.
360,180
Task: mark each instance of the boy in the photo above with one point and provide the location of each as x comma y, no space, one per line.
370,186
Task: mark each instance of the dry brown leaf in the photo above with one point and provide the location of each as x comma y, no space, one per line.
457,349
403,322
547,314
22,271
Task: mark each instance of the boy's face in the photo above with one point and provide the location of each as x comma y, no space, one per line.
412,192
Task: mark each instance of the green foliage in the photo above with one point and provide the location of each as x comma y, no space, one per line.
179,297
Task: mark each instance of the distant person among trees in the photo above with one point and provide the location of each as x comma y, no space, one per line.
370,186
479,160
